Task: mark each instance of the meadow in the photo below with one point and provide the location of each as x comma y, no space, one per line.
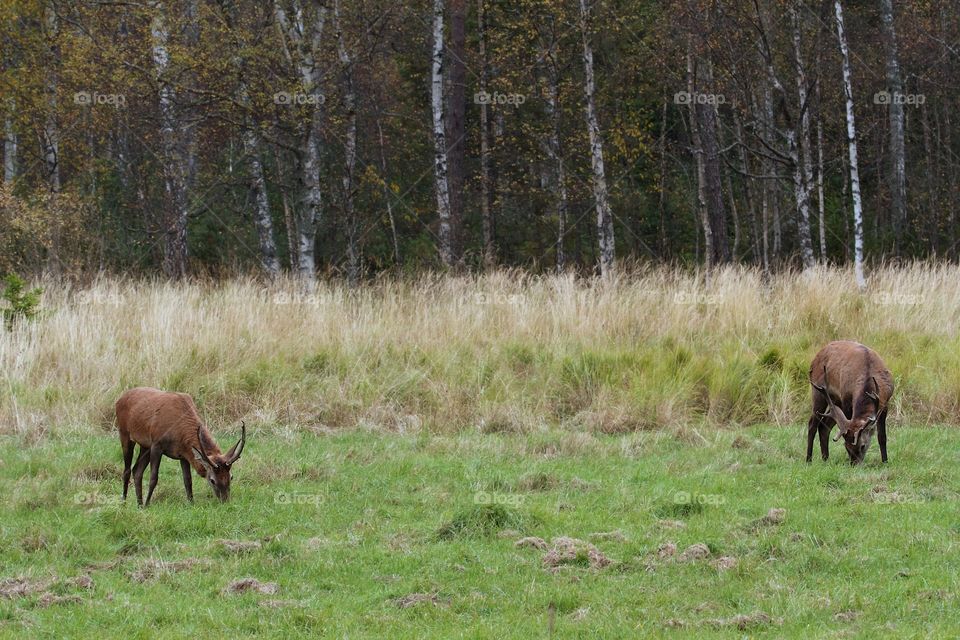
493,456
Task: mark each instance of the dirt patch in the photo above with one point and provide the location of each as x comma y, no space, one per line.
846,616
240,546
20,587
80,582
572,551
532,542
666,550
774,517
155,568
696,551
671,524
413,599
725,563
246,585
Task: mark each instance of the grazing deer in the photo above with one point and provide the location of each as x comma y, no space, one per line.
164,423
849,379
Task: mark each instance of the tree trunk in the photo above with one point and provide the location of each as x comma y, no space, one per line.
800,149
388,195
604,213
701,164
898,165
173,153
307,46
10,144
486,204
852,148
439,138
350,152
263,221
456,123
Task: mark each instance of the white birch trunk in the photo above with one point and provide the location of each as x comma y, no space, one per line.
306,45
172,152
349,151
263,221
600,196
799,140
439,136
852,148
10,145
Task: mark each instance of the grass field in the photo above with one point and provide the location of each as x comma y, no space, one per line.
646,436
372,535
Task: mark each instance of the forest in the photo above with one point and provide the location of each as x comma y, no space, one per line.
345,138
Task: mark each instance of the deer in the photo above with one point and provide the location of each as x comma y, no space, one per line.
849,379
166,423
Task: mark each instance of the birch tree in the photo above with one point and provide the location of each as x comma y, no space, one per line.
439,136
174,153
263,221
349,150
600,196
852,150
302,33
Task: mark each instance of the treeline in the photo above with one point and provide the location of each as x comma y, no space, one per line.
355,136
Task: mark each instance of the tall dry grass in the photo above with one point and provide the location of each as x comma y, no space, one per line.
500,352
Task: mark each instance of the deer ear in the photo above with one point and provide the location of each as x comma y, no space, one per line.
201,459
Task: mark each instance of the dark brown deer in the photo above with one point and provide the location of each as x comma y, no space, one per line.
849,379
164,423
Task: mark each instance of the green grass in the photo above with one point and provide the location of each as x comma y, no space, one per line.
351,523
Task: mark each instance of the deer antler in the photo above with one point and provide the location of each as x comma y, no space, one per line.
832,410
202,451
234,454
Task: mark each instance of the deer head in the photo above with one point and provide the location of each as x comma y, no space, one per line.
217,466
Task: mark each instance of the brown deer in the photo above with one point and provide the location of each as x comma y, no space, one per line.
849,379
165,423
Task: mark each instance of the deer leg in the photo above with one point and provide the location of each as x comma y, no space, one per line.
187,479
882,435
825,439
138,469
811,432
127,445
155,453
